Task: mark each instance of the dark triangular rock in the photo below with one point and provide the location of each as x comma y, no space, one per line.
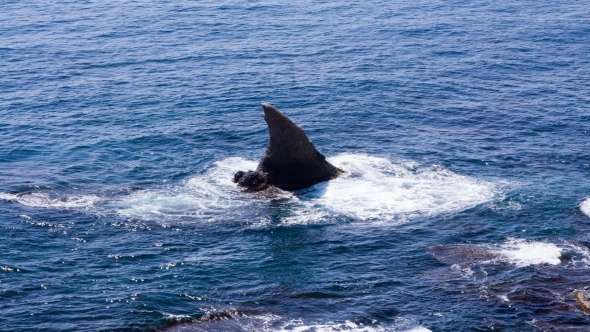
291,161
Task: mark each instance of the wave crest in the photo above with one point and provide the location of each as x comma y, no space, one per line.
585,207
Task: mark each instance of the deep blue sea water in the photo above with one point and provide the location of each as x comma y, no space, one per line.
464,128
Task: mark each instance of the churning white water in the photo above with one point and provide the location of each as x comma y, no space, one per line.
372,188
585,207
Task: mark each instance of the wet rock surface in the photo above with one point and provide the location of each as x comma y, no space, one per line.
291,161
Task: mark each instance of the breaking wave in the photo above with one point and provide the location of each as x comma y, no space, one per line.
377,188
585,207
371,188
46,200
525,253
517,252
235,320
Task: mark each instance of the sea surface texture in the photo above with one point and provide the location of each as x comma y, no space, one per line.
463,128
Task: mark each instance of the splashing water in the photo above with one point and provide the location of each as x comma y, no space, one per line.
377,188
45,200
585,207
525,253
373,188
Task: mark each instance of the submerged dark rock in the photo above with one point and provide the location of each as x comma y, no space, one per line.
583,299
291,161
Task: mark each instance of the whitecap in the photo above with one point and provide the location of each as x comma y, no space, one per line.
46,200
519,252
525,253
401,325
207,196
300,326
373,188
585,207
237,320
377,188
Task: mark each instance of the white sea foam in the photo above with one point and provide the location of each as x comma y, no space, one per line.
275,323
208,196
585,207
300,326
525,253
45,200
519,252
465,272
580,255
174,317
376,188
372,188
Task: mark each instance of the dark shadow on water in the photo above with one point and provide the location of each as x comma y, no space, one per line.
315,191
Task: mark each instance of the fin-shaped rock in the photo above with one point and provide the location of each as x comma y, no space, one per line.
291,161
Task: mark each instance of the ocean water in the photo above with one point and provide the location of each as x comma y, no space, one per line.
463,127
